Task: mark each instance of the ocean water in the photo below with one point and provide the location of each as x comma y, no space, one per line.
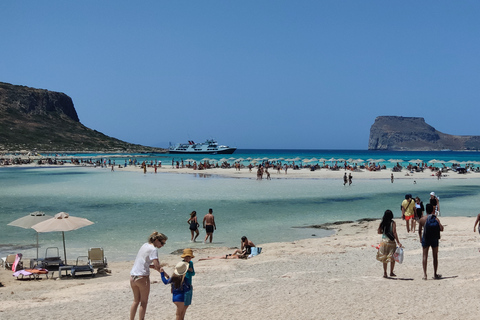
127,206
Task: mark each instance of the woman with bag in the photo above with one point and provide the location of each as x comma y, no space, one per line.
388,230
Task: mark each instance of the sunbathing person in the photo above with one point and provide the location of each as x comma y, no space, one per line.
245,248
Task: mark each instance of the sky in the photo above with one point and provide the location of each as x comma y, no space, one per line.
253,74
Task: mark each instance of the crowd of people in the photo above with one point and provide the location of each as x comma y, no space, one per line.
429,229
181,277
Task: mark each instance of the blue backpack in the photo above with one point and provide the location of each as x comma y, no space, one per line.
432,228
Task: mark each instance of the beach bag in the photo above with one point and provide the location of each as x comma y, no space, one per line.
432,228
398,255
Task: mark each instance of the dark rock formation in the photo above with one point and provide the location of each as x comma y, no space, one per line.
47,121
412,133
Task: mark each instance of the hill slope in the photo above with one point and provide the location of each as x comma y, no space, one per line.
47,121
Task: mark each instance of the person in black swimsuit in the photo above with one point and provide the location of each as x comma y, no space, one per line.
193,225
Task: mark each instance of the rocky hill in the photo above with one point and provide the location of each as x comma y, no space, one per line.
47,121
412,133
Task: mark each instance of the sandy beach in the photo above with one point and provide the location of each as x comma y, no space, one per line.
336,277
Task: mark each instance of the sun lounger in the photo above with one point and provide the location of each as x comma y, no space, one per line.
52,257
82,265
96,257
18,270
8,261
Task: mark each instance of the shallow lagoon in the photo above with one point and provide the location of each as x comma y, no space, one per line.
127,206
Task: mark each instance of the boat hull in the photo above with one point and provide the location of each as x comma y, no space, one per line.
223,151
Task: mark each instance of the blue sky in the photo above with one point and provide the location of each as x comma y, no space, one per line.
252,74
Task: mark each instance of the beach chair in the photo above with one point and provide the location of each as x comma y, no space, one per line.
96,257
52,257
82,265
8,261
21,273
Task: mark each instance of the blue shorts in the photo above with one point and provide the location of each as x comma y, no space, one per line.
178,297
429,243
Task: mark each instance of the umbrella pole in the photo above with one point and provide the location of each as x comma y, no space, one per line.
64,250
37,246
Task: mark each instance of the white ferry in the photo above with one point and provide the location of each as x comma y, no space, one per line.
208,147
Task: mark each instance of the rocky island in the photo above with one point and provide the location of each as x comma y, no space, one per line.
414,134
46,121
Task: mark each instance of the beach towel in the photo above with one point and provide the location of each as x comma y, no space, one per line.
254,251
17,265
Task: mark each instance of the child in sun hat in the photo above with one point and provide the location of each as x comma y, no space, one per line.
179,287
187,257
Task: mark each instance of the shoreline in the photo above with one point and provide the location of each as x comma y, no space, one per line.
303,173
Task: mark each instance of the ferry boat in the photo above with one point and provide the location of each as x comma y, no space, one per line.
208,147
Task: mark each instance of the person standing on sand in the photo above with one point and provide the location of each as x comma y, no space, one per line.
209,225
187,257
179,287
391,177
431,234
388,230
345,179
350,179
435,202
477,222
193,225
147,258
408,207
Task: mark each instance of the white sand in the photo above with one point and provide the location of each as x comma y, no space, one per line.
329,278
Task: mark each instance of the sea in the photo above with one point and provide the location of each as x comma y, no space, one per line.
126,207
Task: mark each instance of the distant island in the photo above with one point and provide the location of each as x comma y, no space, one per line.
46,121
414,134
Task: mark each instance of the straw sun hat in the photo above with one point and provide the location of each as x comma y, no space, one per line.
188,253
181,268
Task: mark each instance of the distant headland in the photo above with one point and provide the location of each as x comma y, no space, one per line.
414,134
46,121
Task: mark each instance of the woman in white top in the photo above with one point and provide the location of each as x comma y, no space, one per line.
147,258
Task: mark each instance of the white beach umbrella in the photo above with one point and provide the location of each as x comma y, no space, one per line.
380,160
62,222
435,161
27,222
416,160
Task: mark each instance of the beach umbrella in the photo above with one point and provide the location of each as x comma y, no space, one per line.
380,160
62,222
29,221
416,160
435,161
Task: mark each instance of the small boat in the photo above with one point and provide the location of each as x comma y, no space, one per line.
208,147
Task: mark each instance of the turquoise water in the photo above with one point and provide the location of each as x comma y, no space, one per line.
127,206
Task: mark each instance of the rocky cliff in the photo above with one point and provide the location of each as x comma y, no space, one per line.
47,121
412,133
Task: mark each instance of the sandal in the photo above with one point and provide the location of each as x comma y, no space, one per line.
437,277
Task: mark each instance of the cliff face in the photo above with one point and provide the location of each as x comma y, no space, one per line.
411,133
30,101
47,121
